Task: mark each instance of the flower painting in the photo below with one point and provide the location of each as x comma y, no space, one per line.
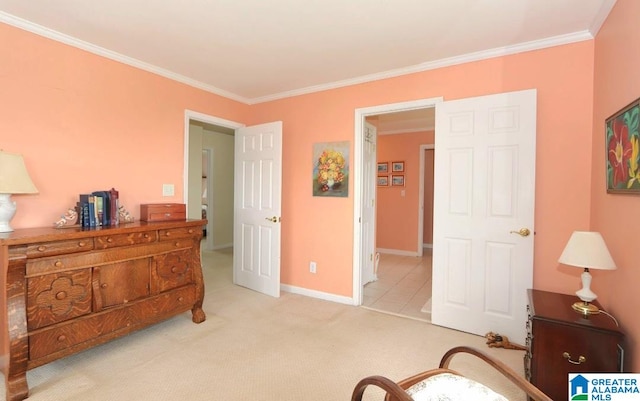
331,169
623,150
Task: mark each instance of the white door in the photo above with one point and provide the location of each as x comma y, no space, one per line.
257,207
369,204
484,196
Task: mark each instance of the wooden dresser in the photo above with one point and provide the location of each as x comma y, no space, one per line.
562,341
66,290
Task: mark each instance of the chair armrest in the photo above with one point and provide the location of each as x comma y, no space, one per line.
532,391
394,392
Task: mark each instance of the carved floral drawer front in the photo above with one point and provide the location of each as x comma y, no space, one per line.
108,241
174,270
59,247
54,298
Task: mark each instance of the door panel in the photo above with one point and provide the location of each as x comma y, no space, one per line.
258,183
484,180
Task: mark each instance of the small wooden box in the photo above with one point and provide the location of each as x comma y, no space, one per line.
163,211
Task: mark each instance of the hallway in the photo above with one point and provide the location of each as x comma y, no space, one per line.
403,286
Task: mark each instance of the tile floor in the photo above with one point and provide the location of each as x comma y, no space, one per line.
403,286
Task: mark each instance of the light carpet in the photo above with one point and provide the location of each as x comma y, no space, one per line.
254,347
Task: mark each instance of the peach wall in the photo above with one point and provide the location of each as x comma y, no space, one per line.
397,214
86,123
563,76
617,57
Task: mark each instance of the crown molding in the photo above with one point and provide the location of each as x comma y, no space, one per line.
432,65
100,51
466,58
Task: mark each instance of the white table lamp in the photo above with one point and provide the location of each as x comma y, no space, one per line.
14,179
586,249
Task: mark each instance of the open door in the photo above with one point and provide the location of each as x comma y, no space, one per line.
369,204
483,213
257,207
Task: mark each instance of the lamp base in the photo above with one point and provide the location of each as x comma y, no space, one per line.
585,308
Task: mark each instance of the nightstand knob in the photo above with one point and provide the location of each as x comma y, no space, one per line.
567,356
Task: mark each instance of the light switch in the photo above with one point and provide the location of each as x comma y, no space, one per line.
402,193
167,190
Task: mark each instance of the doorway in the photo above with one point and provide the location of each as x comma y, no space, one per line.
209,141
360,180
402,278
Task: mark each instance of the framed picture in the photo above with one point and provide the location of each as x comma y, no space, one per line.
397,180
383,168
621,144
397,167
383,180
330,172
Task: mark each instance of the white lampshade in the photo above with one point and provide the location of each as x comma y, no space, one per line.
14,179
587,249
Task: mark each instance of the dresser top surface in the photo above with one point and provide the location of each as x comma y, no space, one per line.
43,234
556,307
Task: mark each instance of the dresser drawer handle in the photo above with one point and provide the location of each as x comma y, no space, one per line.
58,263
167,234
174,269
146,235
82,244
62,337
180,299
109,239
191,231
61,295
567,356
104,285
42,248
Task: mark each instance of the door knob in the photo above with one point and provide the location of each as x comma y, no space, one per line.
523,232
273,219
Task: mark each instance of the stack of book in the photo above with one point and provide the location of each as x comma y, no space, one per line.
99,208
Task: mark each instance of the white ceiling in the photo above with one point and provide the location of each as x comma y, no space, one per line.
259,50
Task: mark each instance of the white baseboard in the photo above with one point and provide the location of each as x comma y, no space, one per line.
397,252
223,246
317,294
427,245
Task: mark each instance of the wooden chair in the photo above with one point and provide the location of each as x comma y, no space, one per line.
444,382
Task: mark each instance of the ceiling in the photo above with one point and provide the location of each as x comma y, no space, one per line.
259,50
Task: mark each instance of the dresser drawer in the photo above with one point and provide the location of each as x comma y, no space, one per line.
54,298
55,339
59,247
173,270
173,233
108,241
63,263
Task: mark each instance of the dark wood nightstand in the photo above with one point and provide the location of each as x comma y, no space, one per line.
561,341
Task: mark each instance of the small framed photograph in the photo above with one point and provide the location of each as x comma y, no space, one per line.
383,181
397,167
383,168
397,180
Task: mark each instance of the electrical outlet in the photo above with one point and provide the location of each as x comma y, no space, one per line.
312,267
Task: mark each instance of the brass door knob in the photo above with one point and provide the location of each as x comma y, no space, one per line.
273,219
523,232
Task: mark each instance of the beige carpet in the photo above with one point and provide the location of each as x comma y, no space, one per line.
254,347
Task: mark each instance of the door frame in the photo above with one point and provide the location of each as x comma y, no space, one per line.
423,148
358,179
190,115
